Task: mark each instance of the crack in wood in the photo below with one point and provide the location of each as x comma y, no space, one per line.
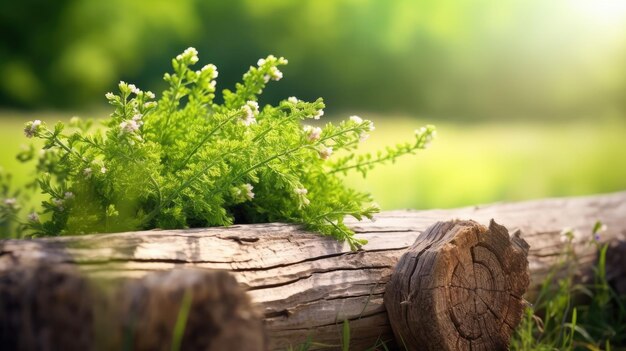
304,277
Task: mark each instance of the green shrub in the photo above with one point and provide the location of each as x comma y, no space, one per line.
188,161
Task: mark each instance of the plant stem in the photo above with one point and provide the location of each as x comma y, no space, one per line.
204,140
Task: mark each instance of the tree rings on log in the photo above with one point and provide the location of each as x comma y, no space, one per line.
459,287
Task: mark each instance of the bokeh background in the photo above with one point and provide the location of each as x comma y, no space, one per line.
529,96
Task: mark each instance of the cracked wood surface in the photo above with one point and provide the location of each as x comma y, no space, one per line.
306,285
459,287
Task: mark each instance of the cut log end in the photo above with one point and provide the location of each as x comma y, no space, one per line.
459,287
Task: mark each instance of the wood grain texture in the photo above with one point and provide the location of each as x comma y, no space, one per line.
305,284
459,287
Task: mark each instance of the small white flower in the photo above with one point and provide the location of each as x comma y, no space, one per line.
109,96
190,53
212,84
371,128
301,192
134,89
87,172
150,94
103,170
603,228
254,106
292,99
137,119
248,121
429,138
36,123
251,110
31,128
356,119
363,137
325,153
129,126
213,69
313,133
248,188
33,217
319,114
266,78
260,62
58,203
10,202
275,73
69,195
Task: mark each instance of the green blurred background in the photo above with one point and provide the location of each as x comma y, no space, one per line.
529,96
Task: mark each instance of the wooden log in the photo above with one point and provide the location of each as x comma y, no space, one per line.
305,284
459,287
55,307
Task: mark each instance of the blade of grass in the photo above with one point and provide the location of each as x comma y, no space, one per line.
345,340
181,321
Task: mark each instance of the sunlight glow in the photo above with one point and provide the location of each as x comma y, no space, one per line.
604,13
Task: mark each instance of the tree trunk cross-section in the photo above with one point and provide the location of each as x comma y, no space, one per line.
459,287
306,285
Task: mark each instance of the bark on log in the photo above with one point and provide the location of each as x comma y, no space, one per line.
459,287
306,285
55,307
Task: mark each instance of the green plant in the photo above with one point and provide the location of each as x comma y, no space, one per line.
181,321
188,161
569,315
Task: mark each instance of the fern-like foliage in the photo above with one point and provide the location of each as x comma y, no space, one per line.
187,161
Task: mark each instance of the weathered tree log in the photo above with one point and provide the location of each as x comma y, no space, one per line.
459,287
55,307
305,284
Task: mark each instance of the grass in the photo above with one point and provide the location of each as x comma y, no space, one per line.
467,164
568,315
482,163
181,321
